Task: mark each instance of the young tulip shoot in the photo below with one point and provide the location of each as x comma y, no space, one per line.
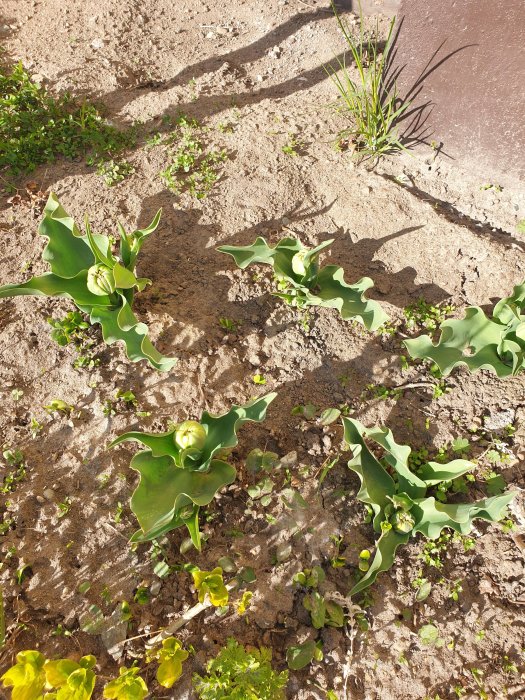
302,283
399,501
179,470
100,283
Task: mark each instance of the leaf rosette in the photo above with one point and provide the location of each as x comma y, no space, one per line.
180,470
100,283
398,497
479,342
302,283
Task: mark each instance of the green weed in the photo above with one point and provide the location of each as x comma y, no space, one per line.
37,128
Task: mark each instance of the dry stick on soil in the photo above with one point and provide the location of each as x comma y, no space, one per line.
178,623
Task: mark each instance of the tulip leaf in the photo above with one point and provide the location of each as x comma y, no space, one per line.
383,559
120,324
479,342
165,489
301,283
432,516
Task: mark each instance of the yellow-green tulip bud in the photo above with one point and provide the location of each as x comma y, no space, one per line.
190,434
100,280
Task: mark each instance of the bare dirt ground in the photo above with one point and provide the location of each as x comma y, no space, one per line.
433,233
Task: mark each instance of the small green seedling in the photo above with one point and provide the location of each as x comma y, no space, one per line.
170,656
211,584
193,167
300,655
301,283
293,146
100,283
59,406
128,685
323,611
180,472
479,342
238,673
113,172
398,496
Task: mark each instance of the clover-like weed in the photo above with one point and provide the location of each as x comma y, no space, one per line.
36,127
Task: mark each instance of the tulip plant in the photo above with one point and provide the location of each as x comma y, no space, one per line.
398,497
302,283
101,283
496,343
180,471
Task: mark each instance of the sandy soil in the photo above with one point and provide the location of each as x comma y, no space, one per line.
432,233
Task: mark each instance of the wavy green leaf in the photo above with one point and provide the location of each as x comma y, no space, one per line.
50,284
325,287
121,324
479,342
433,473
400,504
348,299
432,516
376,485
385,554
70,256
165,489
169,495
221,431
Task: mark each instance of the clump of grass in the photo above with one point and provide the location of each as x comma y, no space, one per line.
371,100
37,128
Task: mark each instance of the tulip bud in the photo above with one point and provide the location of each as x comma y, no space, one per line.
298,262
402,522
100,280
190,434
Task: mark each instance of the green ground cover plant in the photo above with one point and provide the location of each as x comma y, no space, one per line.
239,674
100,283
479,342
37,127
302,283
33,677
193,166
399,497
370,99
182,469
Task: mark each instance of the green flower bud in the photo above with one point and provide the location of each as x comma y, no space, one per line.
190,434
298,262
402,522
100,280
